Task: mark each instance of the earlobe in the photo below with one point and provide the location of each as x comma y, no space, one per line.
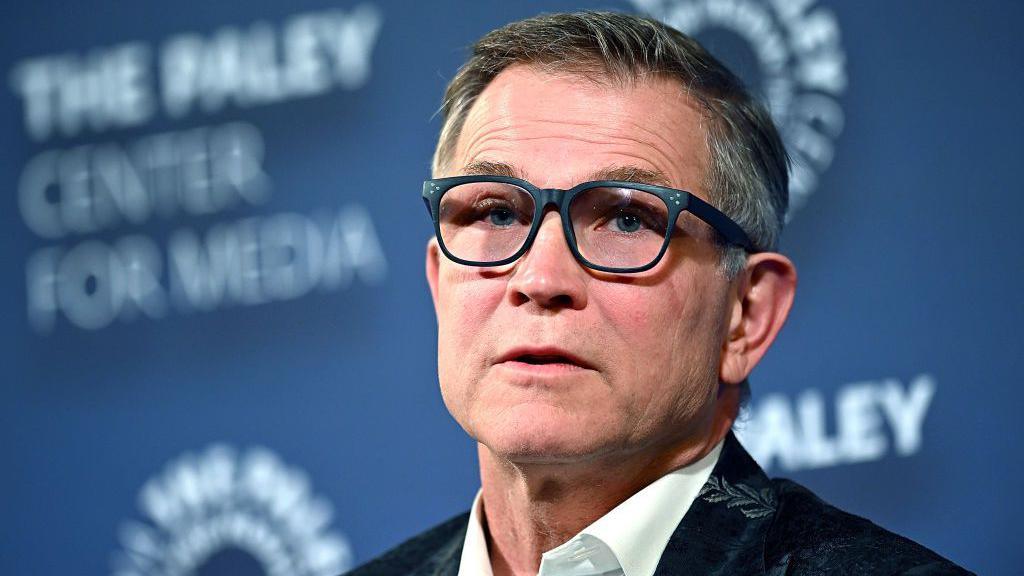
763,298
433,264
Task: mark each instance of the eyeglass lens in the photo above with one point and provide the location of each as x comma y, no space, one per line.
614,227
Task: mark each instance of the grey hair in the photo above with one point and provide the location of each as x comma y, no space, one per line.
748,176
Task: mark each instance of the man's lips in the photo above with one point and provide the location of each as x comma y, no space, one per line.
543,356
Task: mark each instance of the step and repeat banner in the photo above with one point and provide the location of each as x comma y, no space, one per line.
220,352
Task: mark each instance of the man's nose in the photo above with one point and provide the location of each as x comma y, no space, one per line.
548,275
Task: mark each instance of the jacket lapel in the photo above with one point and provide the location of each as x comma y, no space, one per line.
445,561
724,530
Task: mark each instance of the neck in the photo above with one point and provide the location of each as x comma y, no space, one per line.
532,508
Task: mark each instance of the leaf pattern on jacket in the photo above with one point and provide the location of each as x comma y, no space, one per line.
752,503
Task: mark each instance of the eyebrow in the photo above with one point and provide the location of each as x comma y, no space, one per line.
488,168
633,174
622,173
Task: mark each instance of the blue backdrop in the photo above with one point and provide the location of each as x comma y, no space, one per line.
219,347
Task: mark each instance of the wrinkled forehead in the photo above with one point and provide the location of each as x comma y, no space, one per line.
558,128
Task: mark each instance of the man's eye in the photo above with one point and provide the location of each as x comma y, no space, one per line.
627,223
498,212
633,222
501,216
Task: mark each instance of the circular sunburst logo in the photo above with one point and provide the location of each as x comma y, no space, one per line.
799,70
221,512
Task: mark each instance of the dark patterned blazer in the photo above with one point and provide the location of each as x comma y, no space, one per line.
741,523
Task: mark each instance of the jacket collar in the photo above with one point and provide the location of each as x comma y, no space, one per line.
725,529
445,561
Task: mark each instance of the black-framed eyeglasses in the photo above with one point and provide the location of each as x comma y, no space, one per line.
609,225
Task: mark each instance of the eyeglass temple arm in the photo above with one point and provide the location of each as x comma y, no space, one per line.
723,224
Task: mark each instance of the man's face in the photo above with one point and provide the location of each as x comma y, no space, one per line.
544,360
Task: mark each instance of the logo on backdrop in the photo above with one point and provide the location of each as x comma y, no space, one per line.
192,177
867,421
222,513
801,70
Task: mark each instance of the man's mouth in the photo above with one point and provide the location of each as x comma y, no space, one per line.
544,357
535,359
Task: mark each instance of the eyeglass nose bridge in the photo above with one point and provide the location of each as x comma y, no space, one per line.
556,197
559,199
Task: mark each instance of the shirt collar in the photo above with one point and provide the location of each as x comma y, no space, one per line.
631,537
475,560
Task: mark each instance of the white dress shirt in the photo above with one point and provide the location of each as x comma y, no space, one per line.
627,541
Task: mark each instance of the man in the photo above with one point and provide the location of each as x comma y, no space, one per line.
607,205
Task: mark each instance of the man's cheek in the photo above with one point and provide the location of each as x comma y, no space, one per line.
634,318
472,304
462,326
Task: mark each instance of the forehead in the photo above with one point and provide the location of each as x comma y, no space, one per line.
559,129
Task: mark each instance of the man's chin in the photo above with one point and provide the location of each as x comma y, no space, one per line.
544,432
547,446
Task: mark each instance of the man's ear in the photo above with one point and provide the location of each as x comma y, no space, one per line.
763,294
433,266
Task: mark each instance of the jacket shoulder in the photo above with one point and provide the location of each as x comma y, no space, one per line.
423,553
809,536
